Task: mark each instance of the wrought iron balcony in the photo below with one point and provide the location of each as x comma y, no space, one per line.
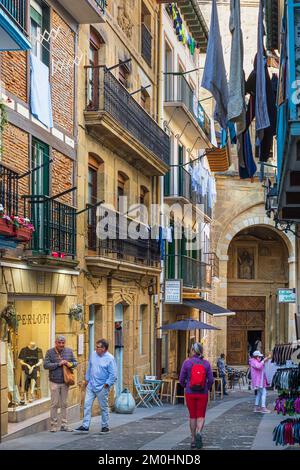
118,245
55,226
116,119
86,11
194,273
178,184
17,11
9,194
179,94
146,45
213,260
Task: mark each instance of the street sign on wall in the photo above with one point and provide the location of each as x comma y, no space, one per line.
286,296
173,291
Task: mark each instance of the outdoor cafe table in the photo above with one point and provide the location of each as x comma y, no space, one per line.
156,384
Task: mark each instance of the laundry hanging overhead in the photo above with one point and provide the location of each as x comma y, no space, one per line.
261,106
236,103
40,91
214,77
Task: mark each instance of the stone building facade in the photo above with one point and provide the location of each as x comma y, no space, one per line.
122,152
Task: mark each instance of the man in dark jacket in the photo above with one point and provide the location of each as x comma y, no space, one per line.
55,359
221,365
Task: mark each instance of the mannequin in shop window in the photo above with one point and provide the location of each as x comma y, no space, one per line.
31,358
118,335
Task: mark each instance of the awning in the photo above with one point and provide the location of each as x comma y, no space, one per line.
12,38
208,307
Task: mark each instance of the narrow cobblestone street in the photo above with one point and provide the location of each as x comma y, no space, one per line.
230,425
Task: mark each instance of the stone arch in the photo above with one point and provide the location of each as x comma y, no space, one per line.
240,223
123,298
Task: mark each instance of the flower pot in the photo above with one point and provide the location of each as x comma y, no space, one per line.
23,234
6,229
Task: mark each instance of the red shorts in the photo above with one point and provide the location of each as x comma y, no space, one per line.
197,404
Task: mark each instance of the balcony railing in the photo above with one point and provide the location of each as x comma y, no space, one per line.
118,245
146,45
183,188
17,11
9,196
104,93
178,183
195,273
214,262
55,226
177,89
101,4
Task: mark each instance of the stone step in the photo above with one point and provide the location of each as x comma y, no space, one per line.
38,424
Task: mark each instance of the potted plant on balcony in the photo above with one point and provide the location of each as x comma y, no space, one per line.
23,229
6,224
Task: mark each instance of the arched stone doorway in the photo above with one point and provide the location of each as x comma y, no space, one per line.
258,265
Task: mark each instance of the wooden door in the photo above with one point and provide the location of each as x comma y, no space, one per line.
236,345
250,316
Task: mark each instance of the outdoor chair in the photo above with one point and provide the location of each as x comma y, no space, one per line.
156,386
145,393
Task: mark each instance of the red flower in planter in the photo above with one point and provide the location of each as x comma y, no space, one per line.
23,229
6,227
23,234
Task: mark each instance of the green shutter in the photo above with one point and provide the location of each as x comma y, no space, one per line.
180,172
36,16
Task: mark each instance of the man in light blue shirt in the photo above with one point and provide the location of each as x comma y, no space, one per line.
100,377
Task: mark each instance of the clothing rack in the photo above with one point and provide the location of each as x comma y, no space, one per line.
287,378
283,352
287,432
287,405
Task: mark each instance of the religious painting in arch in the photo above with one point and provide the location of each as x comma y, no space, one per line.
245,263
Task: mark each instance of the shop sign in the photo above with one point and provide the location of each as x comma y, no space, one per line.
173,291
34,319
287,296
80,345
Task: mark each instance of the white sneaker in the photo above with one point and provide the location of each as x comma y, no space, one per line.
265,411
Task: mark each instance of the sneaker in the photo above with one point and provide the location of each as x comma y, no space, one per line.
66,429
104,431
53,429
199,443
81,429
265,411
257,409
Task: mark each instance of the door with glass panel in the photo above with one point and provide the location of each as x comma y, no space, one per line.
40,208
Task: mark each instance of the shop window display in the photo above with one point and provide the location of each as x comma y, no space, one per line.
27,378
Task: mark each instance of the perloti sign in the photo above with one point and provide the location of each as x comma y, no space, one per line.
287,296
173,291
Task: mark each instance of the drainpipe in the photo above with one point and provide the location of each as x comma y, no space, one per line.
160,114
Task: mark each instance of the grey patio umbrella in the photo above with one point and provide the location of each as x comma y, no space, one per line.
188,324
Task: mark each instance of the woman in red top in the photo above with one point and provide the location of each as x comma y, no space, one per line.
196,400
